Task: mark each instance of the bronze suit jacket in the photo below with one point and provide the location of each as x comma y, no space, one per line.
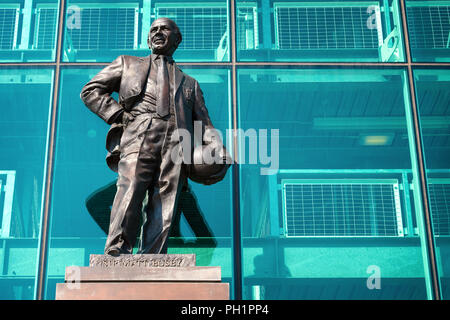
128,75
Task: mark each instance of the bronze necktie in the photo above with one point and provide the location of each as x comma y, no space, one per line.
162,88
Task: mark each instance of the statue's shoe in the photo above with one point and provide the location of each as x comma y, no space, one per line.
115,252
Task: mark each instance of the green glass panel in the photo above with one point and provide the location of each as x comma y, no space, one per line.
28,30
433,96
26,99
340,30
325,169
429,30
84,187
100,31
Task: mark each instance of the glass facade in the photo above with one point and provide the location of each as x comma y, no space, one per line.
429,29
342,30
28,30
81,203
433,93
340,196
24,141
340,114
100,31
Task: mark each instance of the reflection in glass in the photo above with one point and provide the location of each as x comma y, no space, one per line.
338,210
28,30
26,99
429,30
340,30
102,31
100,201
433,96
84,187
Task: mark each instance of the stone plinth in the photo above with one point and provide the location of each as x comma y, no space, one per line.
142,277
144,291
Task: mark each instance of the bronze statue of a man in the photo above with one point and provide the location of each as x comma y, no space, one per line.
156,99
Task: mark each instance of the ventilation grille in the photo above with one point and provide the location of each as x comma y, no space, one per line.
46,28
202,27
337,208
8,28
440,207
104,28
429,26
325,28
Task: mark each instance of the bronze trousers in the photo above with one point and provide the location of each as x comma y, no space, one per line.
151,172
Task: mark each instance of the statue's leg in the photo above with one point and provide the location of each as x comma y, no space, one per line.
162,199
127,206
137,173
161,210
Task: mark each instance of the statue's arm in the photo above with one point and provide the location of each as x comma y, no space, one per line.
96,94
200,110
201,114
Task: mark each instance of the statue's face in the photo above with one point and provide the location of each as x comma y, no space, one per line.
163,37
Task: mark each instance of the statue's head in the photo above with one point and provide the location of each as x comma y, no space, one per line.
164,36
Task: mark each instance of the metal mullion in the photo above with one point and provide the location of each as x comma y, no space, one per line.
45,219
299,63
430,64
214,64
431,248
237,239
243,63
28,64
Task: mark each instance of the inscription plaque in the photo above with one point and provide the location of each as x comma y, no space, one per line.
142,260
